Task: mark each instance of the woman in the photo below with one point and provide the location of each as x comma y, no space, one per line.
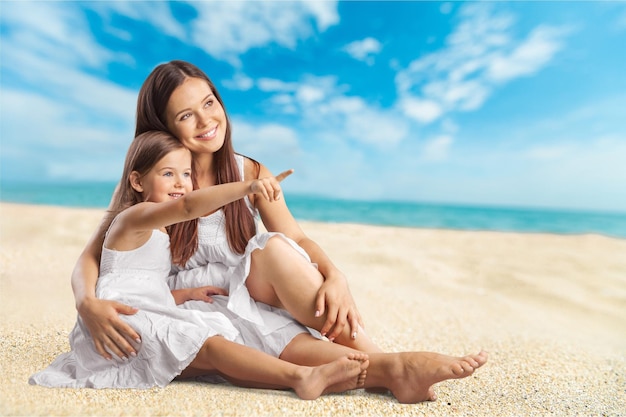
276,270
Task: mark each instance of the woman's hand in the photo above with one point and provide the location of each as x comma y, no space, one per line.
269,187
335,299
109,332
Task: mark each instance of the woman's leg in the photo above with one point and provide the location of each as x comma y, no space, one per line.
409,376
281,277
248,367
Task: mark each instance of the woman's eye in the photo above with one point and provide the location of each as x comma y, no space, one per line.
185,116
208,103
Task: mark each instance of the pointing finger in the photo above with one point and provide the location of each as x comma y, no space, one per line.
284,175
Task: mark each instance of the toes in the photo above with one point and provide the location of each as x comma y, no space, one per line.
361,379
472,362
457,369
481,358
431,395
467,367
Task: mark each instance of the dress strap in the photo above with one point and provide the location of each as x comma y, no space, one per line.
240,164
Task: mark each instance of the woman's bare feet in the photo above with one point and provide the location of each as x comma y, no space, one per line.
411,375
340,375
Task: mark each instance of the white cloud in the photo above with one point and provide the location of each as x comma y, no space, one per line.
91,96
273,144
57,140
437,148
324,12
272,85
157,13
239,82
55,31
548,152
223,29
309,94
374,126
528,57
364,50
424,111
480,54
227,29
321,103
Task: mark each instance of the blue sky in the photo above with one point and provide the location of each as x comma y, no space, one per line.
493,103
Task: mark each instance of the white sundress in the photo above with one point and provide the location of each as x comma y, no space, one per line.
261,326
170,336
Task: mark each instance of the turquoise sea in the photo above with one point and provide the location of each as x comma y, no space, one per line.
405,214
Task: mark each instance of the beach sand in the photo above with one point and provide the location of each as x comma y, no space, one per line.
549,309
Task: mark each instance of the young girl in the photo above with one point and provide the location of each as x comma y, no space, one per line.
156,194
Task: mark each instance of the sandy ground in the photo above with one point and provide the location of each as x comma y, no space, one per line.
550,309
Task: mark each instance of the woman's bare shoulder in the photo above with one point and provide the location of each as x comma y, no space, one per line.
253,169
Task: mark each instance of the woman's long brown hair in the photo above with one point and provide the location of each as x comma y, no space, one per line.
145,151
151,115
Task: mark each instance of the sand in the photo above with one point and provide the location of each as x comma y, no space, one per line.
550,310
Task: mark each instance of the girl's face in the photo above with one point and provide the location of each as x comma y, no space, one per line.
195,117
169,179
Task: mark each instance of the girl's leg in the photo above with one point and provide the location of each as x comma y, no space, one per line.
248,367
281,277
409,376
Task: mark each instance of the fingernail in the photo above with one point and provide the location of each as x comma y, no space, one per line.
332,339
133,354
317,313
138,340
354,335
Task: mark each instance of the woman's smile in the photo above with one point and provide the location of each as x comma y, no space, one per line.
209,134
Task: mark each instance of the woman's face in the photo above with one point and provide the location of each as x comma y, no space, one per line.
195,117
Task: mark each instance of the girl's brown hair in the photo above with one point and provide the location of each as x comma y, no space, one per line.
145,151
151,115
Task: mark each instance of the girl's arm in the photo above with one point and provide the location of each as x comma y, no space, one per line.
149,216
334,295
101,317
198,294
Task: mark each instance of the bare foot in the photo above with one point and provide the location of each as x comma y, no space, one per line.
337,376
413,374
353,383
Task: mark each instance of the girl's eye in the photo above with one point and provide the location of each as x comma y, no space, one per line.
187,174
168,174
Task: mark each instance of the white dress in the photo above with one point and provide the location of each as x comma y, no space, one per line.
170,336
261,326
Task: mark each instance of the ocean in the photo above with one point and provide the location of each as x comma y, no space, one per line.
403,214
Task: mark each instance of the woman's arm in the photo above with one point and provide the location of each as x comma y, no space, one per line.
108,331
334,295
